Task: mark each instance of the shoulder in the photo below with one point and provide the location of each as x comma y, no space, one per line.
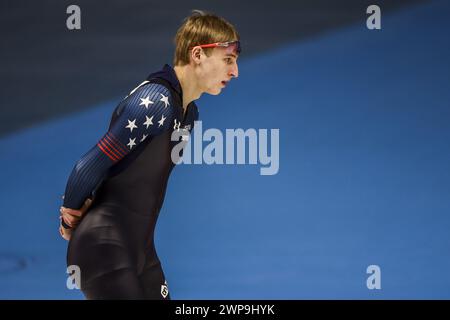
149,98
150,94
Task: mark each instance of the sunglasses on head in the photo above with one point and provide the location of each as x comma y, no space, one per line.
236,44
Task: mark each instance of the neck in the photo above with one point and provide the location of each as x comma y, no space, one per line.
189,84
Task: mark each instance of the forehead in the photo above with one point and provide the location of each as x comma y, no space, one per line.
226,52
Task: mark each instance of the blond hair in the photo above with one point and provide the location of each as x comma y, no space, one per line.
201,28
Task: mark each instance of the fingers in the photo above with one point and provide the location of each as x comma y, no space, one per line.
65,233
71,216
73,212
77,213
69,219
86,205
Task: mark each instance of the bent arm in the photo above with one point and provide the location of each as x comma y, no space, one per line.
147,113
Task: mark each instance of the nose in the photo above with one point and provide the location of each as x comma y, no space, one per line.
234,72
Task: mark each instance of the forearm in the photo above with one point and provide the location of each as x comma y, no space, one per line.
86,175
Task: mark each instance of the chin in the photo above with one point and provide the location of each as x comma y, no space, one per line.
214,92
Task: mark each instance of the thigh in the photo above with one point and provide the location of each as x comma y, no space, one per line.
114,285
105,260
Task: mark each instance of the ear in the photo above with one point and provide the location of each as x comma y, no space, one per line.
196,54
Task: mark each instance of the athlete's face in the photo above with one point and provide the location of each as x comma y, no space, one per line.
218,69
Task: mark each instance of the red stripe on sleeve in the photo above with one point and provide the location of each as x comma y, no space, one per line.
107,145
107,153
113,145
117,143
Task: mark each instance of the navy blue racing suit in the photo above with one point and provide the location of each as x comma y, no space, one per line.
126,174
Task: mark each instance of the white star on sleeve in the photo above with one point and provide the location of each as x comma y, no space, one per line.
144,136
165,100
148,121
146,102
161,122
132,143
131,125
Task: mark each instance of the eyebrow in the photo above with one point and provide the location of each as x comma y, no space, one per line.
231,54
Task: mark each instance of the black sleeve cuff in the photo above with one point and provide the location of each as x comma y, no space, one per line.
65,226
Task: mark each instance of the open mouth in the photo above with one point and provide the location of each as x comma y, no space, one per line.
224,83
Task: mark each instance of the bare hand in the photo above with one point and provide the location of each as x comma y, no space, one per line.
72,218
